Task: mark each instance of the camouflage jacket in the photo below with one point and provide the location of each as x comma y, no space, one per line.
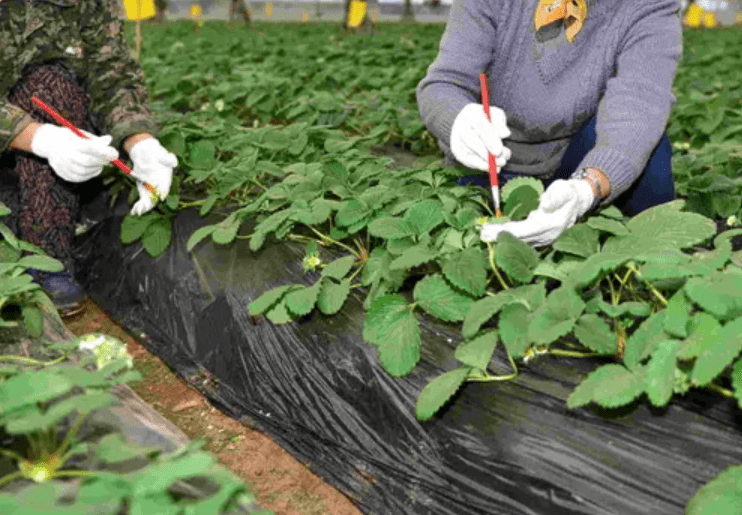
87,37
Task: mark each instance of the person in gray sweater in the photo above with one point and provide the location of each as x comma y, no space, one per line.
580,94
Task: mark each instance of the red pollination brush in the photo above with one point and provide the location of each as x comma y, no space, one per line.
492,164
61,120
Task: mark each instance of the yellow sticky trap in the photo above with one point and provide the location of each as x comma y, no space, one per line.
196,12
139,9
269,9
709,20
357,13
304,17
693,16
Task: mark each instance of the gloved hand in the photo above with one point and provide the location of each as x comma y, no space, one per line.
560,206
73,158
154,165
472,135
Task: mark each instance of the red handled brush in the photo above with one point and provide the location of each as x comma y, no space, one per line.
492,164
61,120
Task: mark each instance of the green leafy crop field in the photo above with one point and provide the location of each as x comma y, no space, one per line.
274,126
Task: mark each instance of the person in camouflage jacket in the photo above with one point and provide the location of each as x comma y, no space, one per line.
71,54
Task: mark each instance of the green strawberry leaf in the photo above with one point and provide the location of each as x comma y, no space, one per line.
437,392
592,332
660,378
424,216
720,294
642,343
435,296
678,315
399,348
467,270
556,317
333,296
302,300
610,386
133,226
478,352
412,257
339,268
721,496
516,258
713,360
156,237
269,299
580,240
513,327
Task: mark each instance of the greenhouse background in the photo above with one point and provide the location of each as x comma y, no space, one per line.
323,10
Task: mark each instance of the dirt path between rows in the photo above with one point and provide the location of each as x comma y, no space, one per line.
279,482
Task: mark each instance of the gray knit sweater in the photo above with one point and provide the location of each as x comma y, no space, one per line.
621,65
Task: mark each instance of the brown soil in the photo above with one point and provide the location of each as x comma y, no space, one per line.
278,481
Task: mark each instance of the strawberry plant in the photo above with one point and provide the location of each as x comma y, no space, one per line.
280,130
43,408
18,292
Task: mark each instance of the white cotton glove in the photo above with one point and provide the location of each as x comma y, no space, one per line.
560,206
154,165
472,136
73,158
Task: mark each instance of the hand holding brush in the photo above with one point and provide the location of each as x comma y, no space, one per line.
75,155
476,139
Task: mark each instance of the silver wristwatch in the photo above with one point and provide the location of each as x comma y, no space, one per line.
583,174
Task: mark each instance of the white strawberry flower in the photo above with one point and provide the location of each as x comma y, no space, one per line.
310,263
105,349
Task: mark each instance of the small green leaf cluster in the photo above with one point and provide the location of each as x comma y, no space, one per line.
323,80
706,123
17,288
42,408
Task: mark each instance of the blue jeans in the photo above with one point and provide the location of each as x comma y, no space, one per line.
654,186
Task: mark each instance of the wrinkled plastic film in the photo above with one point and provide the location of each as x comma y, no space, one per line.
319,390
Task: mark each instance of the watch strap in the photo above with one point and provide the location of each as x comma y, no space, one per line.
585,175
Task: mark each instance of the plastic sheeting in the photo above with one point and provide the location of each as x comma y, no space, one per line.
317,389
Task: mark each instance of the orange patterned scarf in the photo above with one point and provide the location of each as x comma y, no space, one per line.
573,12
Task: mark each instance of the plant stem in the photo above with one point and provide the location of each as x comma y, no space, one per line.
35,446
614,298
488,378
10,477
720,389
301,238
259,185
11,454
358,270
654,290
622,283
33,362
339,243
182,205
491,252
573,354
70,435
